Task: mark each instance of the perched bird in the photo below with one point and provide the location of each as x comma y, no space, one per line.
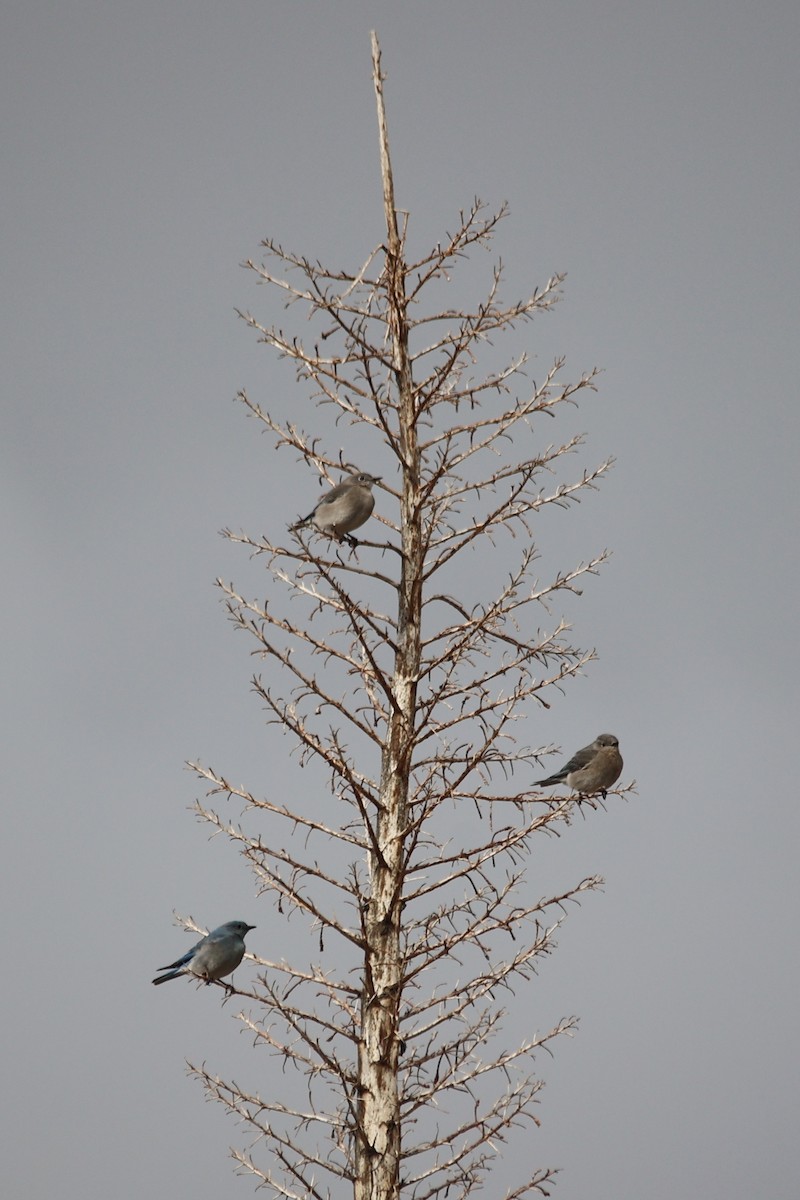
344,508
593,769
215,955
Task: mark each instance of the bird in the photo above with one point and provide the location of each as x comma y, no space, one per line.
593,769
215,955
344,508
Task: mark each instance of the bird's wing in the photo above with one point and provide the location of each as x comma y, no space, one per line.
335,494
188,956
581,759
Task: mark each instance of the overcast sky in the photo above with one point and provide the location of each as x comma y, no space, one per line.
651,152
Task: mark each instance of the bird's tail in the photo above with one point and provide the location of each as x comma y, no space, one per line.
169,975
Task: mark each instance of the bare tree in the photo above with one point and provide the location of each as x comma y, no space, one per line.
410,667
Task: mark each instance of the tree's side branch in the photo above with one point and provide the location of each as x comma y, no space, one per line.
220,785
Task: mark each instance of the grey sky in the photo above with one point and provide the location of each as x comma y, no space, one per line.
650,151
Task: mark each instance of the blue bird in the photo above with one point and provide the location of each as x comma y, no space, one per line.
344,508
593,769
214,956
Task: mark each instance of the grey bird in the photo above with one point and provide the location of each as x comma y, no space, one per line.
215,955
344,508
593,769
